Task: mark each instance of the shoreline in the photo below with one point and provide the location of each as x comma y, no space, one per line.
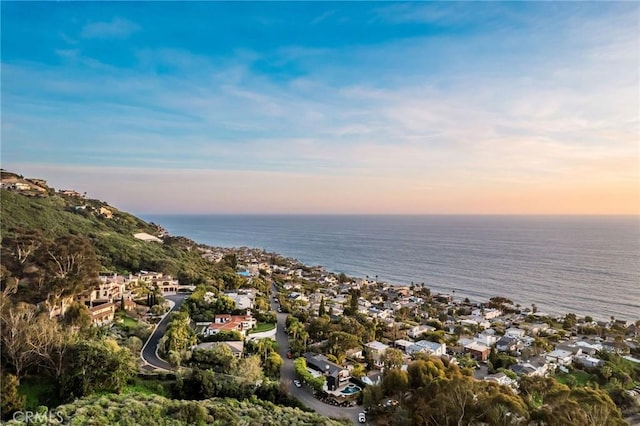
528,272
457,298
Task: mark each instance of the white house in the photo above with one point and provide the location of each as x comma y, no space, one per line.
487,339
486,313
418,330
514,332
431,348
588,361
377,349
560,357
243,300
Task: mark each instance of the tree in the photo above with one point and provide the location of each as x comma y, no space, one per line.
321,309
77,316
248,370
295,327
219,358
422,372
224,304
11,400
570,321
17,338
392,358
272,365
231,260
340,342
134,344
179,335
71,267
96,365
358,371
372,395
395,382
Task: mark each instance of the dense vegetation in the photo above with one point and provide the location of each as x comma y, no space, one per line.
140,409
46,218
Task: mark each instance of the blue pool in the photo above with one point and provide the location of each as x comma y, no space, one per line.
350,389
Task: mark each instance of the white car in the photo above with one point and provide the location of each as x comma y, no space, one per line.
362,418
297,383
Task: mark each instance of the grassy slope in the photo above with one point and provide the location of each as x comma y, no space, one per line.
118,250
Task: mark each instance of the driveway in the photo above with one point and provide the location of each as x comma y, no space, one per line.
149,352
303,394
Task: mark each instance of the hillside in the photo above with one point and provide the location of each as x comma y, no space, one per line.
111,233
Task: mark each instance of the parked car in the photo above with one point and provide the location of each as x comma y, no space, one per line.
362,418
297,383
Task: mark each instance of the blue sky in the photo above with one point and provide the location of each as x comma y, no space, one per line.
508,107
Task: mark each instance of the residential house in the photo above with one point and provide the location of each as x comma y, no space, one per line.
514,332
560,357
239,323
508,344
244,300
588,361
425,346
418,330
402,344
487,338
70,192
335,375
478,351
108,290
501,379
102,314
534,367
355,353
376,349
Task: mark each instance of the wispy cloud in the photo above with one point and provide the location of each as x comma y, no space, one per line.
116,28
414,121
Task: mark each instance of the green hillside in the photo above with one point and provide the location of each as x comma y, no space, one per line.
54,215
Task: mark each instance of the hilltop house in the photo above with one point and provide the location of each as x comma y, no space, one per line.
110,289
102,314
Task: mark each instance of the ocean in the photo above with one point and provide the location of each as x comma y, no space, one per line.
589,265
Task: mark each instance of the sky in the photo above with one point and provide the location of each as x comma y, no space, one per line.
327,107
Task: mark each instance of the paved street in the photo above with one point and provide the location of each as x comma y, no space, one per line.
287,375
149,350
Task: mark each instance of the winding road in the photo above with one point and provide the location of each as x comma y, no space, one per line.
149,352
153,362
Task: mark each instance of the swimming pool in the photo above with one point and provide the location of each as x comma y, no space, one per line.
350,389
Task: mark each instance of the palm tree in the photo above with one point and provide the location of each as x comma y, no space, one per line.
295,328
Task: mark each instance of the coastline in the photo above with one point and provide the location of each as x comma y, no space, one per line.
531,279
